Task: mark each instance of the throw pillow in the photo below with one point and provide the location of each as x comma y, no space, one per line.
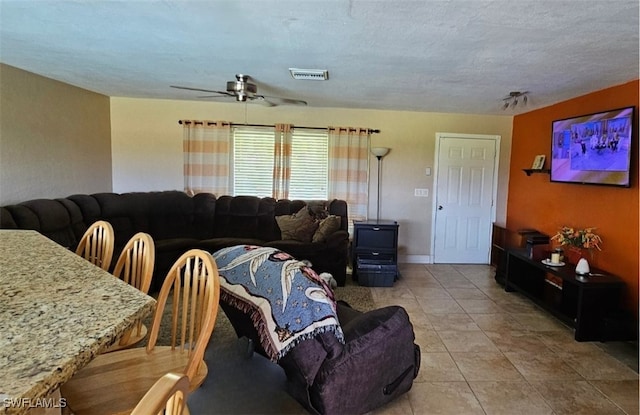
326,227
300,226
318,209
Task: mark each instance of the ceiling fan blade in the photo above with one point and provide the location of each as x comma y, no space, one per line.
242,91
216,96
202,90
260,99
285,101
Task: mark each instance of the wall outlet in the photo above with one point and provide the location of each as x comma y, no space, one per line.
421,192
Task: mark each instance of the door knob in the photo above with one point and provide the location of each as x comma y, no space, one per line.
439,207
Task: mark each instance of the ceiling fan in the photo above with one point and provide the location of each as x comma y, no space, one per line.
243,90
512,99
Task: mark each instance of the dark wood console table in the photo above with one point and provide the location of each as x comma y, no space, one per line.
580,302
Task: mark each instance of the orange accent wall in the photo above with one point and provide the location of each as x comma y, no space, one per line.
535,202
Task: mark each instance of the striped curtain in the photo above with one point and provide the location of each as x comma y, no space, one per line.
282,161
349,169
206,148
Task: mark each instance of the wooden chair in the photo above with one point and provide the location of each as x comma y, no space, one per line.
96,245
116,382
135,267
168,396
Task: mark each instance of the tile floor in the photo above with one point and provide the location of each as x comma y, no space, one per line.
484,351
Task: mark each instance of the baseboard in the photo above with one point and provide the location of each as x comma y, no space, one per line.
415,259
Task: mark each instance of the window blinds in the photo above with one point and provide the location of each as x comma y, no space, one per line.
253,161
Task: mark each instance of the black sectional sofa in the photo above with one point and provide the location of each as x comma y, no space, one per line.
178,222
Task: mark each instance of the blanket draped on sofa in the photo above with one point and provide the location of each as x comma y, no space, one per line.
286,300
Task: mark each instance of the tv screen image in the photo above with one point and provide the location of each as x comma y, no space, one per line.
594,148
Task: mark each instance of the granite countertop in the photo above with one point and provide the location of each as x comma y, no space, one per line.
57,312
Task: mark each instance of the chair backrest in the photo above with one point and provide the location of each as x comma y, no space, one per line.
168,396
194,285
97,244
136,261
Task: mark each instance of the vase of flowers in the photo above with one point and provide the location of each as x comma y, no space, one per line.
576,241
573,254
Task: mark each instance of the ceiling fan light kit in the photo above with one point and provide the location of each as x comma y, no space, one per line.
309,74
242,88
513,98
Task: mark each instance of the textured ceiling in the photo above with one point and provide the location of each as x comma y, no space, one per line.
437,56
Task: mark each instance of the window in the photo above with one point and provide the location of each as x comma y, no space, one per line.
309,165
253,161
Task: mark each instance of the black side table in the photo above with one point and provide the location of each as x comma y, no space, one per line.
375,252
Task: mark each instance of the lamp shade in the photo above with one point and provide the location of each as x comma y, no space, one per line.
379,151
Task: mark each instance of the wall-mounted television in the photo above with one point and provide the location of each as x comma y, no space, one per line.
593,148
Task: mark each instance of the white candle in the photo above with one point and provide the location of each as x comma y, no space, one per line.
555,258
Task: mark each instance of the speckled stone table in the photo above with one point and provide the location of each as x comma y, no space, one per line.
57,312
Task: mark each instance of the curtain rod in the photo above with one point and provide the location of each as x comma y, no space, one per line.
369,130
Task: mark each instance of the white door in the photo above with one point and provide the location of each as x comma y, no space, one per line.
466,177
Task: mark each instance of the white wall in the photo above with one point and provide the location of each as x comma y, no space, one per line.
147,151
55,139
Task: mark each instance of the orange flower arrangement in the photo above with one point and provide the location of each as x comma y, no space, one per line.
581,238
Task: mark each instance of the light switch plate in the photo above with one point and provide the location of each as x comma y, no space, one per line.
421,192
428,171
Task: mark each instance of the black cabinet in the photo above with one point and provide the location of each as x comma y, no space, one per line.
499,244
375,252
580,302
503,239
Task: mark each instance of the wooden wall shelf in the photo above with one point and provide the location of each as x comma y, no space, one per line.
531,171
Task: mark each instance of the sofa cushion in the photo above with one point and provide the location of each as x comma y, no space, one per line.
318,209
288,207
339,208
127,213
6,220
326,227
78,226
49,217
204,210
245,217
89,207
23,217
300,226
175,214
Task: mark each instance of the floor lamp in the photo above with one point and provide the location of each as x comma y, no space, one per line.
379,152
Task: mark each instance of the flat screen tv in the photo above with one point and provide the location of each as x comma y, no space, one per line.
593,148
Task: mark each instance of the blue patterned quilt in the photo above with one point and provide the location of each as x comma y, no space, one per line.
287,300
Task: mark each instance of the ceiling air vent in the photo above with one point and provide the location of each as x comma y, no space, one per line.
309,74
